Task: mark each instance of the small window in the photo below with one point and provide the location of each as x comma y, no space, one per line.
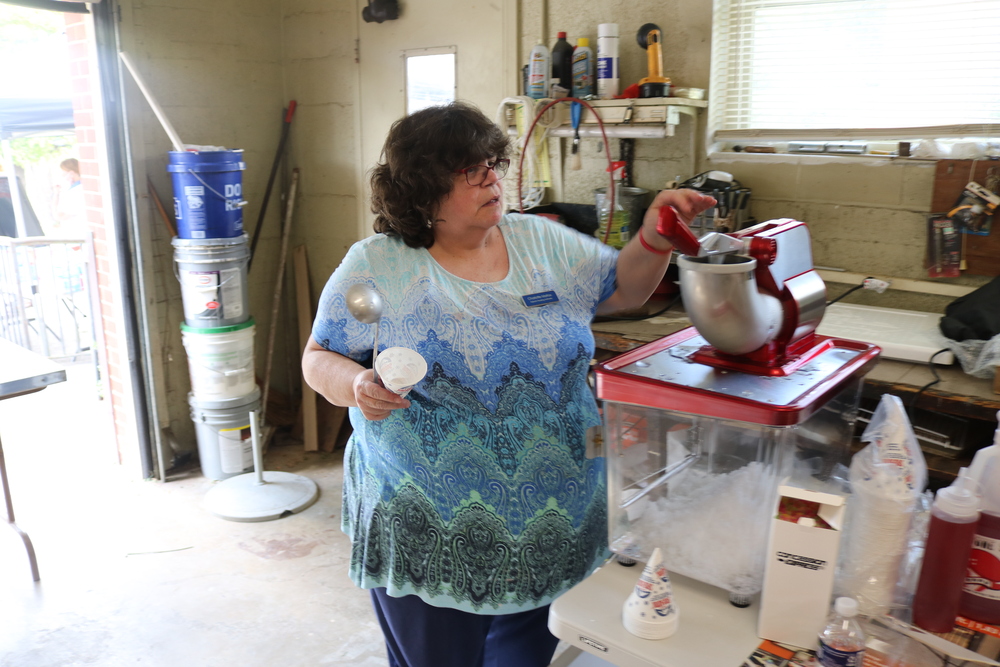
430,77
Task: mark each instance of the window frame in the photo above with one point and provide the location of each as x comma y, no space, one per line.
722,73
428,51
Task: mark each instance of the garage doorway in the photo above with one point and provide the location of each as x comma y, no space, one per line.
68,285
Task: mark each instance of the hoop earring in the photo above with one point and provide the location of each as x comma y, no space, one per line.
430,224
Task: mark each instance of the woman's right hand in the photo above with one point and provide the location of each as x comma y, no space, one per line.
374,400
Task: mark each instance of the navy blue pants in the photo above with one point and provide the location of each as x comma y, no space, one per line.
420,635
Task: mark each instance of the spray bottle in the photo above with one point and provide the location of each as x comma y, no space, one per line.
980,598
538,71
607,60
954,517
583,68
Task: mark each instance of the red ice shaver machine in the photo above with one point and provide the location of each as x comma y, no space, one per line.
701,426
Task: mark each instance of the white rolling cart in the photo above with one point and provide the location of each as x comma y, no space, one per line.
712,632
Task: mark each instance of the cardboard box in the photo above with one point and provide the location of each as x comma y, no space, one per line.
802,551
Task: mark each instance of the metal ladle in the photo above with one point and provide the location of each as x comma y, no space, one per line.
365,305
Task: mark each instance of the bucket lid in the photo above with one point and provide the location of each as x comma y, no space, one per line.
206,161
217,330
234,241
225,403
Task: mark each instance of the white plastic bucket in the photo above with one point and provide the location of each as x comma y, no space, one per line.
225,448
213,278
220,360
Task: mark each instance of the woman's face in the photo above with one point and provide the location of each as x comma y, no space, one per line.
472,205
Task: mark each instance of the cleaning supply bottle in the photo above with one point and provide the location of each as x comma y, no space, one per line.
607,60
562,62
619,217
538,71
842,641
954,516
980,598
583,68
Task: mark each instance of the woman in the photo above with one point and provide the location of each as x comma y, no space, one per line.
470,503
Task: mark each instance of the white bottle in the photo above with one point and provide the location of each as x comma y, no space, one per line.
607,60
539,71
583,69
842,641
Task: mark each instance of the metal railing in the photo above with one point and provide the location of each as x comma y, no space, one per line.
47,295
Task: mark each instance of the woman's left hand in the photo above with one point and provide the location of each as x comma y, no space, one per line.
687,203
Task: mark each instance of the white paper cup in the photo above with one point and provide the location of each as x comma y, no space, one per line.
399,368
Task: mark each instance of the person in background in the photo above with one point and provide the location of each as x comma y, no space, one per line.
70,214
470,503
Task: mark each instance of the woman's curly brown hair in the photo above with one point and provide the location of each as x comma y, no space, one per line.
418,163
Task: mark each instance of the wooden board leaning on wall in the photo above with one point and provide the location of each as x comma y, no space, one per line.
981,253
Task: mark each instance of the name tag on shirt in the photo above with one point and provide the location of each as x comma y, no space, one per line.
539,299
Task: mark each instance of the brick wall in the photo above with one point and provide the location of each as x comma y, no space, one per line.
111,344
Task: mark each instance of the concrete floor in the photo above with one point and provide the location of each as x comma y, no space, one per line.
139,573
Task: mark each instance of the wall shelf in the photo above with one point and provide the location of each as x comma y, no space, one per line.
650,118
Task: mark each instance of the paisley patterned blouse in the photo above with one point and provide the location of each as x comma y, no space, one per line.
478,496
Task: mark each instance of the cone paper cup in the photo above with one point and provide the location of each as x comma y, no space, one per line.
650,612
399,368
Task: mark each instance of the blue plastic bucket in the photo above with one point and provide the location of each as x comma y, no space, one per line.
208,193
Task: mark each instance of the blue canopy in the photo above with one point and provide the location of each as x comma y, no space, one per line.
22,117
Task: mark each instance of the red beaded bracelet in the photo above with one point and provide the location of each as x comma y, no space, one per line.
651,248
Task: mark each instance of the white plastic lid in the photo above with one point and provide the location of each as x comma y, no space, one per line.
607,30
846,607
961,499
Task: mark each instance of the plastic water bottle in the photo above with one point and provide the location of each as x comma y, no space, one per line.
954,516
607,60
538,72
980,598
842,641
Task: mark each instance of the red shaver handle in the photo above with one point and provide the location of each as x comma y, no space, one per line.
670,226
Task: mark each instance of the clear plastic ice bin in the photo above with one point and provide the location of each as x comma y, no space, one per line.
695,454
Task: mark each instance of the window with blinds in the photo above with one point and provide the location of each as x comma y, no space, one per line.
864,69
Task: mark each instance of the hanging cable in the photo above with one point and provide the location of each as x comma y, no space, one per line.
531,196
850,291
607,150
937,378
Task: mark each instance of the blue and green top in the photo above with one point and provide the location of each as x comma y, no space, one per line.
478,496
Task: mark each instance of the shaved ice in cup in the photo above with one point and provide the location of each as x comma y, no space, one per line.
399,368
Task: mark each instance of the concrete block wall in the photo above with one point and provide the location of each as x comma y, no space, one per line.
224,72
216,69
320,72
866,215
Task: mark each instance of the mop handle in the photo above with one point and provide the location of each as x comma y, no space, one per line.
175,139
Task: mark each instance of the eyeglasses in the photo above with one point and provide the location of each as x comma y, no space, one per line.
476,175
